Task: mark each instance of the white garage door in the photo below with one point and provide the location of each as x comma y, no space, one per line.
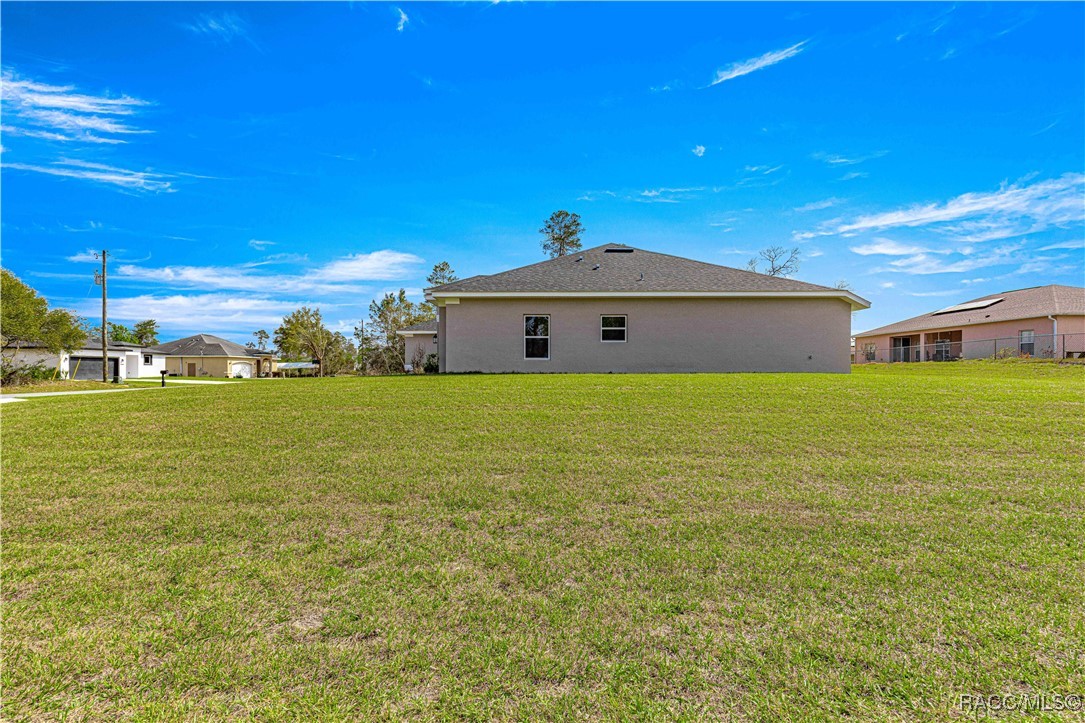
243,369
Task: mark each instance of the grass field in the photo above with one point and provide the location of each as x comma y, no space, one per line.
59,385
744,547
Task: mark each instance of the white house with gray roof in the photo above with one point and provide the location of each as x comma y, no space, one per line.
616,308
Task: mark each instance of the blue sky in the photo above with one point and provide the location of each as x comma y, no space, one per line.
240,160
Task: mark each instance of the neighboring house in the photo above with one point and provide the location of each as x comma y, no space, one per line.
204,355
615,308
419,336
1042,321
126,361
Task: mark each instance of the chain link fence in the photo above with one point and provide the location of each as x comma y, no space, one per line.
1024,346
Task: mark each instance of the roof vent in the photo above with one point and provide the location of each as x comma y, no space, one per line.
621,250
578,259
595,268
641,277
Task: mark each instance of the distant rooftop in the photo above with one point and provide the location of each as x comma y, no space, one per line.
207,345
1036,301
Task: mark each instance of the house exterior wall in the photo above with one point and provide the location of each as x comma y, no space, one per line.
663,335
980,341
136,368
413,342
214,366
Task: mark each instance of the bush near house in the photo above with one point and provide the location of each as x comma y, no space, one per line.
743,547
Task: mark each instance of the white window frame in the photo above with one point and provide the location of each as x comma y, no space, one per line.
1021,341
547,337
148,360
624,327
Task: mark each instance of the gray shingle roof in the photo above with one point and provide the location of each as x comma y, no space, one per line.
423,326
1019,304
619,268
206,345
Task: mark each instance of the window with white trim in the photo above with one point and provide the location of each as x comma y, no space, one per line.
537,337
612,328
148,360
1027,342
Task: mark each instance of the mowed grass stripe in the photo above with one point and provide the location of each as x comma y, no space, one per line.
754,547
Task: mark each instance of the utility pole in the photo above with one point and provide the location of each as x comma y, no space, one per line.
99,278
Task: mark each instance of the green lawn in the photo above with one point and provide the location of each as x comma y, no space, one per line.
60,385
745,547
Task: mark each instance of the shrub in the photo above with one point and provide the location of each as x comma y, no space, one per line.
432,365
15,376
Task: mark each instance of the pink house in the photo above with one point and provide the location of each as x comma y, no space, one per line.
1042,321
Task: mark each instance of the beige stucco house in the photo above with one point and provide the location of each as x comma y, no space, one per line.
204,355
419,341
1042,321
616,308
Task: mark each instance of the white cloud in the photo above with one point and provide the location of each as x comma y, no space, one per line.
60,113
260,245
1012,210
745,67
834,159
698,151
887,284
925,264
336,277
403,20
376,266
82,256
853,175
210,313
813,254
223,27
1076,244
818,205
886,247
99,173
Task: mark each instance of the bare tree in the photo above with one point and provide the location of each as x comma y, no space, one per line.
843,285
779,261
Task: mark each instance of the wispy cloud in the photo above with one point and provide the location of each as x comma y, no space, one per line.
376,266
925,263
213,313
260,245
818,205
667,195
62,113
835,159
1013,210
887,247
225,27
1073,244
851,176
99,173
403,20
698,151
745,67
336,277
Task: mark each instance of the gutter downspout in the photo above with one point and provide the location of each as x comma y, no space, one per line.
1054,336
